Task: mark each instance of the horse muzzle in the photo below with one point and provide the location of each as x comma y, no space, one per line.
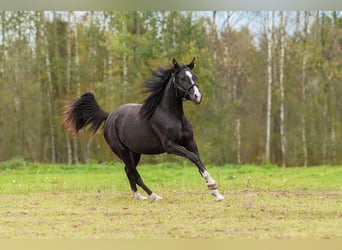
196,96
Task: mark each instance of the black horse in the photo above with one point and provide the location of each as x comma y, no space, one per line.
156,126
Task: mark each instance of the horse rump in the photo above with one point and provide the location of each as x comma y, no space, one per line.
81,112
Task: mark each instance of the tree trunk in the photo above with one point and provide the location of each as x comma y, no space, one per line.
232,87
174,31
88,151
282,91
49,102
238,140
269,32
303,88
39,62
335,47
124,63
214,39
78,91
297,32
68,72
3,41
329,50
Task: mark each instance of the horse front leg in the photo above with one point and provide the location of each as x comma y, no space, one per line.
212,186
191,153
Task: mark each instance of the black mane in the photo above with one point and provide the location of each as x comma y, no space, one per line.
155,86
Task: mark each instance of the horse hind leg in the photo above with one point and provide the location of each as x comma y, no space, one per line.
132,162
141,183
131,179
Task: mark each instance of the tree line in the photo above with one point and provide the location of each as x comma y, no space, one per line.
271,81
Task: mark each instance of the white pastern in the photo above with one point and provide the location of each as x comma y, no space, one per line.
155,197
210,181
208,178
218,196
138,196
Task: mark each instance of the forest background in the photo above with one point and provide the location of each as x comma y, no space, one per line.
271,80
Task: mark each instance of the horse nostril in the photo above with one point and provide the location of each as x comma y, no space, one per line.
197,96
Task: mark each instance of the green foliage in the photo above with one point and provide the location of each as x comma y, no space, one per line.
16,163
49,57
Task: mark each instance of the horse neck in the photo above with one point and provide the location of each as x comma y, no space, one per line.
170,103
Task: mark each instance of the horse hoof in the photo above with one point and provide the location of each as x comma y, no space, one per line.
218,196
138,196
155,197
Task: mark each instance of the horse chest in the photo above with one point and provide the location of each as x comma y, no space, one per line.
182,137
181,134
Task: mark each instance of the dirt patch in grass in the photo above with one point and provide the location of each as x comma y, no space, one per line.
243,214
91,201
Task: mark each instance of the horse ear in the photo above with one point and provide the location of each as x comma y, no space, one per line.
175,63
192,64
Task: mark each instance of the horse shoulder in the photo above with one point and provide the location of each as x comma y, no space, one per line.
187,127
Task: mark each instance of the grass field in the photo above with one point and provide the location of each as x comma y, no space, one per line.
94,201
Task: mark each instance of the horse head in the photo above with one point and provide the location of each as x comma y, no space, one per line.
185,82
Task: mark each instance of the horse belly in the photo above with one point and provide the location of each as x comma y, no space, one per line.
133,132
144,143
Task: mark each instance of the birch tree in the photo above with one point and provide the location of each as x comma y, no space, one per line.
336,53
49,89
269,35
303,90
78,84
282,91
246,74
68,79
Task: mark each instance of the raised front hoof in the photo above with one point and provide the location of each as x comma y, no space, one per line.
138,196
219,198
155,197
217,195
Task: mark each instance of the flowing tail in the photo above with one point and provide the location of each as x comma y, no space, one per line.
82,112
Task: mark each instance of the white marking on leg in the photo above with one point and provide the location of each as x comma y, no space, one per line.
218,196
211,183
138,196
155,197
208,178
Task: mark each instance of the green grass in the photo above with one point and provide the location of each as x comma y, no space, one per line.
94,201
